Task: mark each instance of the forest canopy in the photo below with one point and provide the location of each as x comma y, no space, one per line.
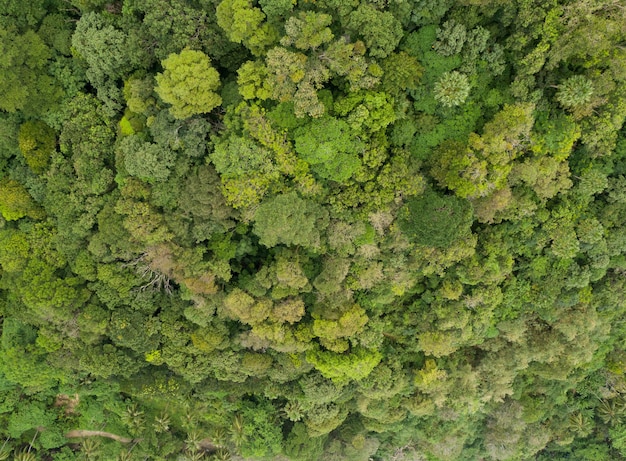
306,230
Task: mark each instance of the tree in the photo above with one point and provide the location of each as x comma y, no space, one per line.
380,30
103,48
16,202
290,220
328,145
401,72
139,94
202,200
171,25
300,446
451,37
575,92
188,83
21,361
481,166
436,220
275,9
452,89
331,332
287,71
37,141
149,162
367,111
308,30
262,436
244,24
252,81
25,84
343,368
238,156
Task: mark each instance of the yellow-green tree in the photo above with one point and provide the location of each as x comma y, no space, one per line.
188,83
16,202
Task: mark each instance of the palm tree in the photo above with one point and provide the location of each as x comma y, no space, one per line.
124,455
5,451
452,89
134,418
575,92
221,455
610,412
161,423
193,441
24,455
90,448
237,434
580,424
219,437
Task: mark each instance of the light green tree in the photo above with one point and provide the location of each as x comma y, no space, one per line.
308,30
245,24
575,92
452,89
16,202
188,83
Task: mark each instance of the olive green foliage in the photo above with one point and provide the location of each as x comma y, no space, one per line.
15,201
37,142
436,220
290,220
339,230
451,37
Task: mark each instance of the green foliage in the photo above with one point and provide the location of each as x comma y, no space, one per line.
380,30
401,72
252,81
262,436
188,83
243,23
300,446
452,89
37,142
290,220
343,368
147,161
575,92
481,167
308,30
277,8
451,37
16,202
103,48
327,146
25,84
436,220
400,238
138,94
237,156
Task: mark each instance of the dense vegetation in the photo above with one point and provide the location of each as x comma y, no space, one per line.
340,230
